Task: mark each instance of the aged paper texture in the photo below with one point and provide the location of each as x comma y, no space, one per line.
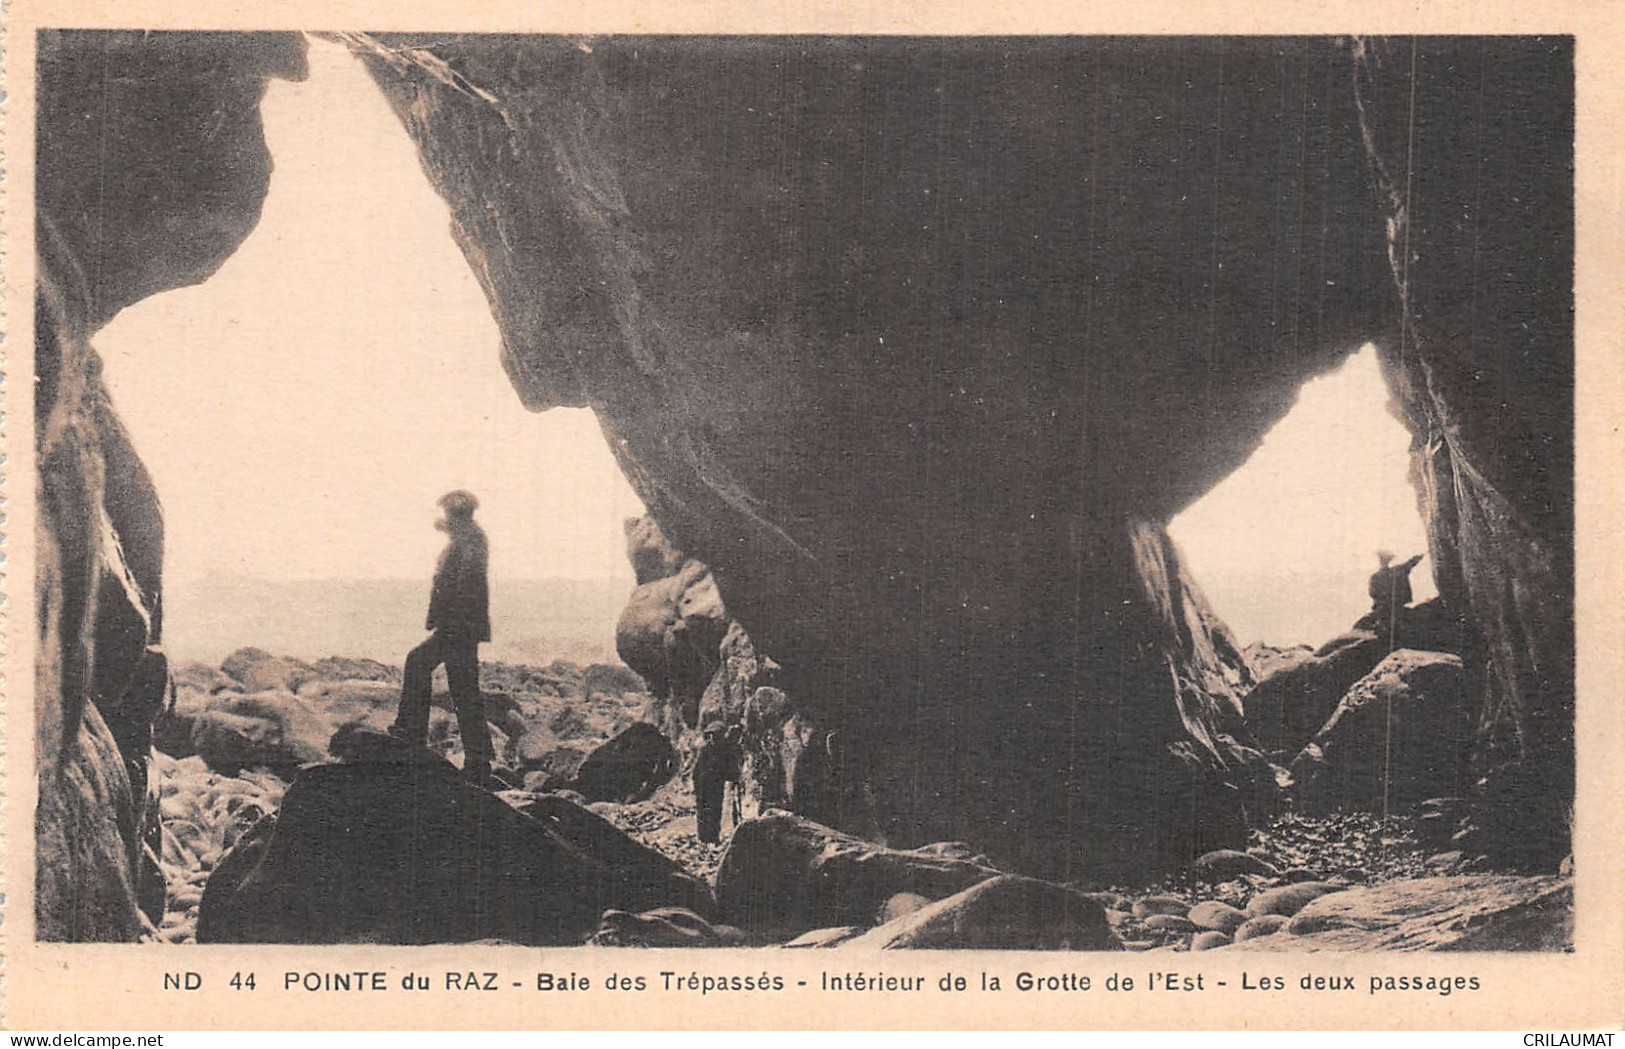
862,592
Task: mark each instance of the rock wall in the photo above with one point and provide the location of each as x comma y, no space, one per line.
1472,145
126,208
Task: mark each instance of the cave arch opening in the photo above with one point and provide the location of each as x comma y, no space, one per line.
1285,545
299,493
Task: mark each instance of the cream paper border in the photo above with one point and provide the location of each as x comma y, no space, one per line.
92,987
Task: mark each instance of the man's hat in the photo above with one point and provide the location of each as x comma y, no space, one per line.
459,503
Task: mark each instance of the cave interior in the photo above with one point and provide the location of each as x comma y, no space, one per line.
918,344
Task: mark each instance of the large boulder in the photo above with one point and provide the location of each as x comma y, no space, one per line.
1296,690
665,927
1286,706
1399,736
281,730
668,634
1006,913
407,852
1287,900
632,874
256,670
651,553
273,730
782,873
629,766
1432,626
611,678
202,677
1218,916
1265,660
538,752
1223,865
346,699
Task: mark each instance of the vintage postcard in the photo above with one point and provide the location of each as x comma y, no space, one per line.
862,515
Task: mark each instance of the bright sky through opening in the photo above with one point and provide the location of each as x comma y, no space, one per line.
1284,546
302,410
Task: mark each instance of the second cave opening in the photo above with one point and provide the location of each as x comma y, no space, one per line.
1284,546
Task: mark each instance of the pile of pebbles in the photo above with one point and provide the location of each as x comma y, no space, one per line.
203,815
1169,922
1230,896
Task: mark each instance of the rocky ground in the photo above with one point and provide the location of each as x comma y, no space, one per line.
239,733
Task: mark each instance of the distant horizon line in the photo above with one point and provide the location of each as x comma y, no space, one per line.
222,577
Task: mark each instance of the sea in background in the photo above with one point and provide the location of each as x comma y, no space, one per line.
533,621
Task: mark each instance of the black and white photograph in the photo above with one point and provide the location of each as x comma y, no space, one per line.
826,502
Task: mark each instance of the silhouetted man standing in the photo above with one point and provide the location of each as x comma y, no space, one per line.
459,616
